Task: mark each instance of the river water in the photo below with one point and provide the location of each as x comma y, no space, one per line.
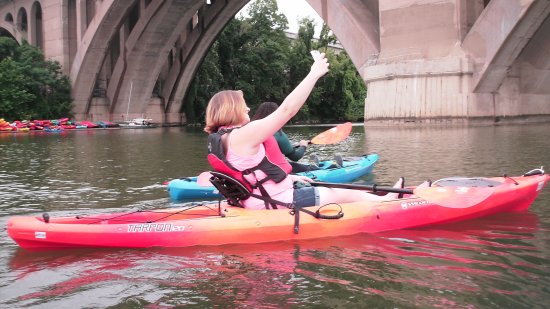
501,261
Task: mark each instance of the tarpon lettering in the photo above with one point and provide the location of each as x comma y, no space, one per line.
406,205
154,227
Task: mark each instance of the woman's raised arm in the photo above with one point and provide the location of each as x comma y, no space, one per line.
249,137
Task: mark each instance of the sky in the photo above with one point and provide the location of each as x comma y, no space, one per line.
297,9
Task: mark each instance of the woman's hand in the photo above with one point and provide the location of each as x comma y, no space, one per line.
300,178
320,66
256,132
304,143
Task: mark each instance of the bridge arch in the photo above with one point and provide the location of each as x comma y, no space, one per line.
420,59
36,36
350,20
8,18
15,22
97,47
154,42
22,20
6,33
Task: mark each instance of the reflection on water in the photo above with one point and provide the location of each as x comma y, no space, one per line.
94,169
495,262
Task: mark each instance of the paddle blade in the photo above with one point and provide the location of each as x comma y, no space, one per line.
454,197
333,135
203,179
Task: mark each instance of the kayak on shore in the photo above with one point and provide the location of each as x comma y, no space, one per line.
353,168
447,200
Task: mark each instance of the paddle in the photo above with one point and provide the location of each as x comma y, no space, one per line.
373,188
333,135
451,197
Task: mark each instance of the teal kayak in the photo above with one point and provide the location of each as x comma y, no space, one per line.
353,168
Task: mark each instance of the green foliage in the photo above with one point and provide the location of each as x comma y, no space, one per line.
300,62
8,48
253,54
337,96
14,97
30,86
343,90
259,55
204,85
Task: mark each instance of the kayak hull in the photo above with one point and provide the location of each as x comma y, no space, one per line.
188,188
203,225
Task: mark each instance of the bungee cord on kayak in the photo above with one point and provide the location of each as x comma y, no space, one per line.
116,218
203,225
235,193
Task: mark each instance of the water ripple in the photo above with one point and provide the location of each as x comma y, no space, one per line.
495,262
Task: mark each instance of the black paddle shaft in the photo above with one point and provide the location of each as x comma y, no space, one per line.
373,188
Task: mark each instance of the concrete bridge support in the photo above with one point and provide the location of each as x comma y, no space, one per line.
447,60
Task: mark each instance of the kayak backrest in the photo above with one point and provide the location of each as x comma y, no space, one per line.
230,188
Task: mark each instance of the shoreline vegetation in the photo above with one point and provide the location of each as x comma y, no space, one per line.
62,124
31,87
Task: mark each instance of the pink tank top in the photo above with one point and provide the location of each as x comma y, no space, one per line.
282,191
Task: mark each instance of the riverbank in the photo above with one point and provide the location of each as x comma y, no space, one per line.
60,125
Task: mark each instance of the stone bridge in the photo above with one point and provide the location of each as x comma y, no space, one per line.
422,60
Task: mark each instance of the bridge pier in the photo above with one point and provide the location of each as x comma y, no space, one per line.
442,94
410,91
423,91
174,119
99,111
447,61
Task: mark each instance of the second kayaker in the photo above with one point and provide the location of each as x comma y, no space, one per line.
293,153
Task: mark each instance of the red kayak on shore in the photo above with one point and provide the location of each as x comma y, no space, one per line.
447,200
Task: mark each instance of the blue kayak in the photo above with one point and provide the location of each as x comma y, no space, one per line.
188,188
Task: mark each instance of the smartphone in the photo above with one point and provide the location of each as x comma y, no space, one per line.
315,54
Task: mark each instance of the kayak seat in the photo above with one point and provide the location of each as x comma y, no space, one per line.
466,182
230,188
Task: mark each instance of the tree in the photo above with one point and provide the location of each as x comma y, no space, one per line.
8,48
261,66
31,86
300,62
340,94
253,54
205,84
14,97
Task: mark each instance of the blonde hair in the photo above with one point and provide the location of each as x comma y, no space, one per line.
226,108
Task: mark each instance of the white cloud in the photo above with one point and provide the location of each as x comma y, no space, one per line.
298,9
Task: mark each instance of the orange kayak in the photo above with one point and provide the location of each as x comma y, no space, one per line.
217,224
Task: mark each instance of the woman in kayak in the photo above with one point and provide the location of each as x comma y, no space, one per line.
244,150
293,153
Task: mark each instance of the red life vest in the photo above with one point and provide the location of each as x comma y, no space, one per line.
274,165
